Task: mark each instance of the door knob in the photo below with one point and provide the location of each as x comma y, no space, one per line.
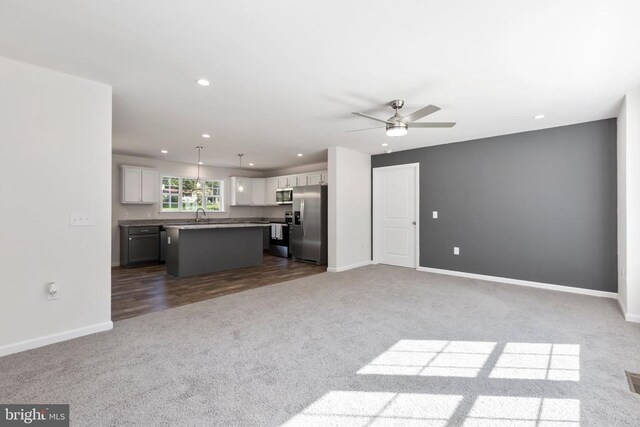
414,223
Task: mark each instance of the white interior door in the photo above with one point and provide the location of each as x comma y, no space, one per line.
395,215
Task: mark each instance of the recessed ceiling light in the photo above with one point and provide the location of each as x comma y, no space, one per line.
300,154
250,164
385,144
164,151
539,116
201,163
203,82
388,151
206,135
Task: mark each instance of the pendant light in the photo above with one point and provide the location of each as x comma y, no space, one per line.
240,186
198,184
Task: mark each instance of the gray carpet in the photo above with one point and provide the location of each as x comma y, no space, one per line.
364,347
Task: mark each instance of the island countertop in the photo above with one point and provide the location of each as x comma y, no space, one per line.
208,226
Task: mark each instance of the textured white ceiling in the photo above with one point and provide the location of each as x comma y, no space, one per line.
286,74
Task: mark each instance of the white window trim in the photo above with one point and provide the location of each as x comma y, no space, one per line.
202,178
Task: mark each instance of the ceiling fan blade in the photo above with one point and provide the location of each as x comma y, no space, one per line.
432,125
423,112
366,116
360,130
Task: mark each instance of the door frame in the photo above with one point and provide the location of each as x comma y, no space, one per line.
416,167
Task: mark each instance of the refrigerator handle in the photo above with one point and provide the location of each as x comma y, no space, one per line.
302,215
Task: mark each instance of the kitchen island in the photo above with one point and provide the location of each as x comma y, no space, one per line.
207,248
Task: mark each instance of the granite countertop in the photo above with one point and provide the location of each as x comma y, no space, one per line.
207,226
185,221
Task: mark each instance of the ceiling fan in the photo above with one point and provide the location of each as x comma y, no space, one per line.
397,125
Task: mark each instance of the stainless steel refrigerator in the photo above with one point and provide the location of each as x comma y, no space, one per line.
308,231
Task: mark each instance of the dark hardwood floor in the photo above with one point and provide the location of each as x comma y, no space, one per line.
136,291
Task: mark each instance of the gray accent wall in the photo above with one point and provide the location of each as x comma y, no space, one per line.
538,206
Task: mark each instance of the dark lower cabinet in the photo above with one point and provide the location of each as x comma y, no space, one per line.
139,245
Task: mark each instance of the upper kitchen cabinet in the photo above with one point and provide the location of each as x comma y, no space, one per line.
240,194
140,185
271,186
262,191
288,181
317,178
258,187
301,180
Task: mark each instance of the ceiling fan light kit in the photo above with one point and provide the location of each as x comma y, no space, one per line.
398,125
396,129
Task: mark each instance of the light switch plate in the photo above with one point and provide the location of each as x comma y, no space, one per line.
456,250
435,214
80,219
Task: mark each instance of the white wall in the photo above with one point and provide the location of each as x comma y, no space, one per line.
55,150
349,216
622,205
629,206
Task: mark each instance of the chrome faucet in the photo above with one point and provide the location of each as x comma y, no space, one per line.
203,213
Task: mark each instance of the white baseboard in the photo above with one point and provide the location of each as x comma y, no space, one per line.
54,338
628,317
518,282
622,309
349,267
632,318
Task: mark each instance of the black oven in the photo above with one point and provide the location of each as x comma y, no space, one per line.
284,196
279,237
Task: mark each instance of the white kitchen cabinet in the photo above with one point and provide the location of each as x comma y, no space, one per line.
288,181
258,188
150,186
271,186
140,185
301,180
240,194
315,178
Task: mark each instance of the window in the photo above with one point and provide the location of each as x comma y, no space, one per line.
213,195
182,195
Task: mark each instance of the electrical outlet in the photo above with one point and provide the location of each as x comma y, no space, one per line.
52,291
125,214
80,219
435,214
456,250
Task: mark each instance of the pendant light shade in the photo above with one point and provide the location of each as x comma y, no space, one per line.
198,184
240,186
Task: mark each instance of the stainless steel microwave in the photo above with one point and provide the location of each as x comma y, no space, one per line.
284,196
